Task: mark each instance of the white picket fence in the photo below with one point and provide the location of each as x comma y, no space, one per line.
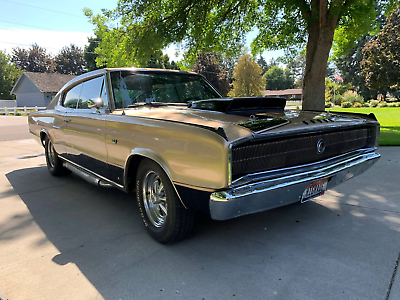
19,110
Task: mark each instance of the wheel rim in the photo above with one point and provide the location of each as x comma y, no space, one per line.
155,199
51,155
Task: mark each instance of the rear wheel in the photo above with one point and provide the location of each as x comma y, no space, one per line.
163,214
54,163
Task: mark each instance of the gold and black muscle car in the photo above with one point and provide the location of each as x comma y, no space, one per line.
183,149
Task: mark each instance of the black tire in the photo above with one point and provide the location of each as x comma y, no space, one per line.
54,163
163,214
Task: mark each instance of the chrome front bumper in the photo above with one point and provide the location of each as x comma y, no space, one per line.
268,190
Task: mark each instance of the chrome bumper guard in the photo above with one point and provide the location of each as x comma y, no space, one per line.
283,188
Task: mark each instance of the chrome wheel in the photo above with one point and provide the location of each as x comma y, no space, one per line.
155,199
51,155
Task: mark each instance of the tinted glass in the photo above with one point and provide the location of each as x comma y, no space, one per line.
143,87
90,92
72,96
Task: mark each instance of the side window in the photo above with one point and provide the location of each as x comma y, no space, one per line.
90,92
72,96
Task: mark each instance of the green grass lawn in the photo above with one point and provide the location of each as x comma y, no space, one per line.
388,117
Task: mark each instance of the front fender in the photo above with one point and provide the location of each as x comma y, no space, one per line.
149,154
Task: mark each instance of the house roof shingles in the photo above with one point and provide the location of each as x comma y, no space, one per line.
49,82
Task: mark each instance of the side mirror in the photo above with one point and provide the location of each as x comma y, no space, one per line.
97,103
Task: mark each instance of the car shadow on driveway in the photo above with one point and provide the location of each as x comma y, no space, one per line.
301,251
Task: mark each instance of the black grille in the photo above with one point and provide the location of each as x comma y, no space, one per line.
268,155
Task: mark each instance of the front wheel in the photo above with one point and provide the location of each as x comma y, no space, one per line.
54,163
163,214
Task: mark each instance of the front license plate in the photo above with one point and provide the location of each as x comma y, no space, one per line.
315,189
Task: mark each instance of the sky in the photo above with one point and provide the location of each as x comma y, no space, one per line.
55,24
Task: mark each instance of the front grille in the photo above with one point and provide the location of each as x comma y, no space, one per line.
267,155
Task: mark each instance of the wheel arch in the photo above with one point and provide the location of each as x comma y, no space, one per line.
132,165
43,133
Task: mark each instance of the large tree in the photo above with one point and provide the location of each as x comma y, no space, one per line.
350,68
381,56
221,25
278,79
247,77
265,65
90,56
159,60
34,59
8,76
207,65
70,61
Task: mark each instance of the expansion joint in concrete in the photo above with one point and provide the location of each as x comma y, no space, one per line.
392,279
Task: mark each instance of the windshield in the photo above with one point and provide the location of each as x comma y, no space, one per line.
140,87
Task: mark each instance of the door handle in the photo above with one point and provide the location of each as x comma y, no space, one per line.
67,120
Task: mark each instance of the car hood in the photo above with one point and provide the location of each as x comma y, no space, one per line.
236,126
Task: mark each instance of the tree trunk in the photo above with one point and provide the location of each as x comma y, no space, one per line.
319,44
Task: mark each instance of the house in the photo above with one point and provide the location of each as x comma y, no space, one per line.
37,89
294,94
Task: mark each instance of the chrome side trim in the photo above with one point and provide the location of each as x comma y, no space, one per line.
283,190
92,174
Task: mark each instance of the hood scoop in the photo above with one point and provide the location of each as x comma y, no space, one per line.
245,106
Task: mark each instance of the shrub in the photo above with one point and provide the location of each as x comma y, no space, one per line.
337,100
397,104
357,105
382,104
346,104
365,104
328,104
390,105
373,103
352,97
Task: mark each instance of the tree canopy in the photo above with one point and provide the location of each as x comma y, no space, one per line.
136,28
208,65
159,60
70,61
90,56
381,56
247,78
278,79
34,59
8,76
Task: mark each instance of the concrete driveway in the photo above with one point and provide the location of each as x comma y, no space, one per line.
62,238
